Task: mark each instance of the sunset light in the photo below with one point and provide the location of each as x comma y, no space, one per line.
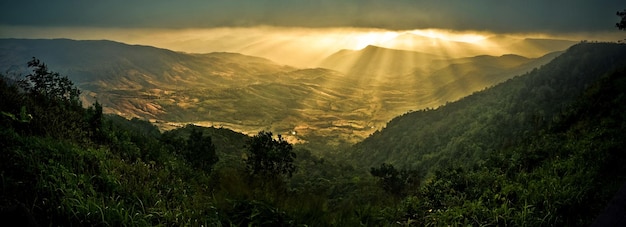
468,37
373,38
312,113
303,47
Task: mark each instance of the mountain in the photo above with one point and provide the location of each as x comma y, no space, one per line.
111,65
373,61
530,46
124,78
460,76
548,144
423,44
492,45
426,80
467,130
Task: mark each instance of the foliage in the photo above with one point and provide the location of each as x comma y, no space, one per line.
200,151
394,181
49,85
622,24
270,157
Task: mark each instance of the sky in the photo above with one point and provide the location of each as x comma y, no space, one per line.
489,15
254,26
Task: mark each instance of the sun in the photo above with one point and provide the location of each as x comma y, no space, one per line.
364,39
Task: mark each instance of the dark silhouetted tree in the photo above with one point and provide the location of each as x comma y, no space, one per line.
94,121
622,24
200,150
49,85
394,181
269,157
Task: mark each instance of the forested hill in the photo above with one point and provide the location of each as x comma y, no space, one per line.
497,118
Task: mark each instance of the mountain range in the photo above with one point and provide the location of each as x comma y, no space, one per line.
530,47
351,95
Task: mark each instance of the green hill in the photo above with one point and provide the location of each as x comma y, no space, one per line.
495,118
542,148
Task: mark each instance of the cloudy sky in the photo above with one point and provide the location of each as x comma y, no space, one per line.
278,29
489,15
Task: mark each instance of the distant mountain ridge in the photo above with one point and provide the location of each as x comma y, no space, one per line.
377,61
108,63
492,45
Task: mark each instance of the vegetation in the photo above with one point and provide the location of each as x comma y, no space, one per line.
270,157
622,24
396,182
544,148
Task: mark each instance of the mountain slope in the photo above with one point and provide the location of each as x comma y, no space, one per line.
469,129
560,175
110,65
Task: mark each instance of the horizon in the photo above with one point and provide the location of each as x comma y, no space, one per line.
307,47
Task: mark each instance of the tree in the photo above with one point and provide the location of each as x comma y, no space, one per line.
622,24
94,120
200,150
53,102
269,157
395,181
49,85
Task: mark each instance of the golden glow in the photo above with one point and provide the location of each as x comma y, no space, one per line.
467,37
300,47
373,38
308,47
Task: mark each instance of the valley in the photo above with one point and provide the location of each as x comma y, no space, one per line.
352,94
312,113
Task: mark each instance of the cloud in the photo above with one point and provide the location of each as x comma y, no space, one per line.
488,15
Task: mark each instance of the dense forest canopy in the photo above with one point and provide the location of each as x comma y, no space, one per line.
543,148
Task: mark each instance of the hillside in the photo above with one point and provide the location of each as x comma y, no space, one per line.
469,129
547,144
102,64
